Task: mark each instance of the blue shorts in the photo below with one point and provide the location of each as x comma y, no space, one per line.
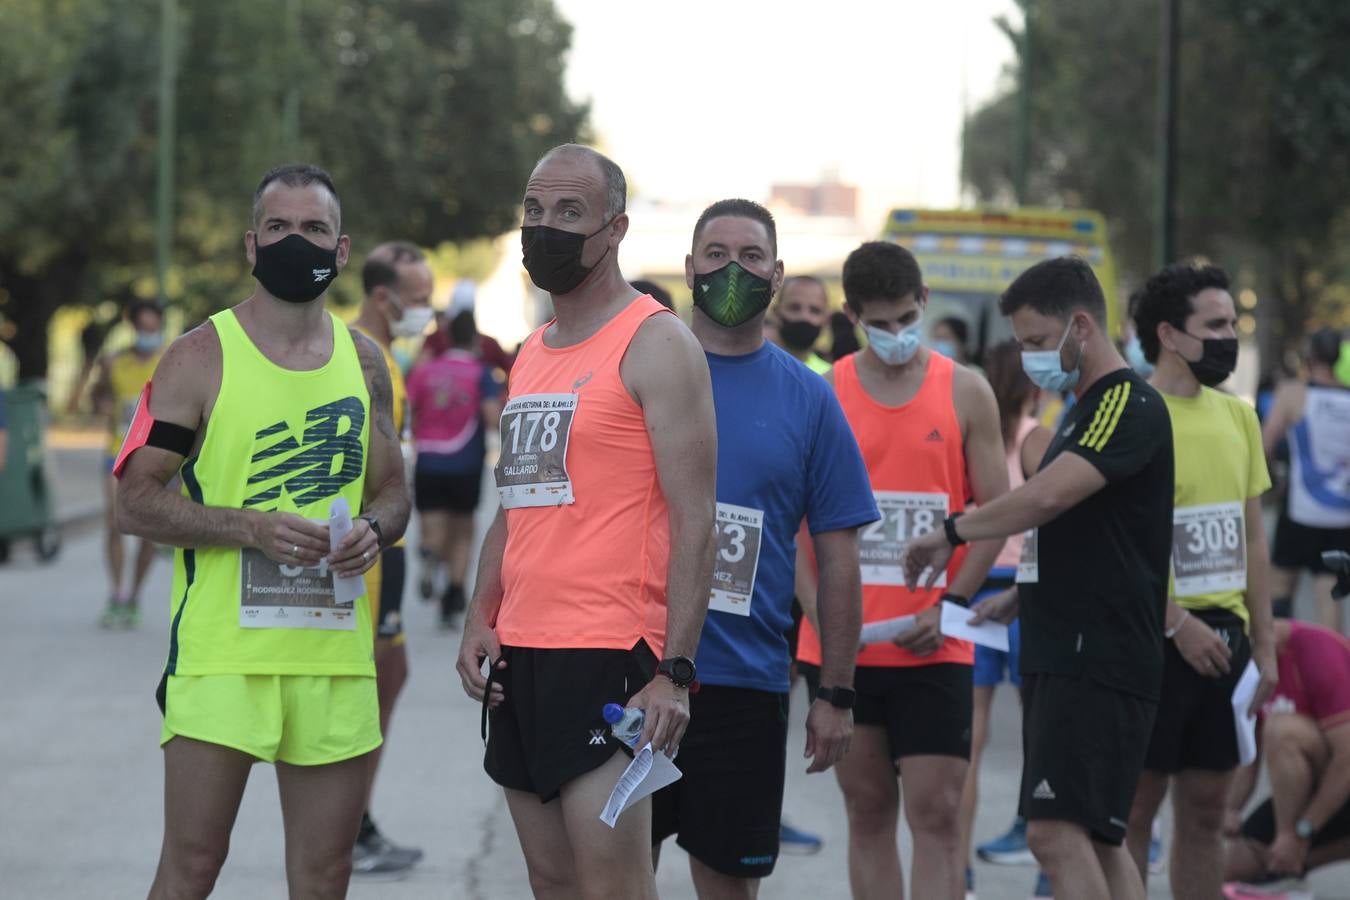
991,664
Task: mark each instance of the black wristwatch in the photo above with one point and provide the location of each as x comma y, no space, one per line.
840,697
949,528
679,669
374,524
957,599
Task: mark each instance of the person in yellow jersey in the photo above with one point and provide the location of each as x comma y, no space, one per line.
121,376
279,419
802,308
397,282
1218,606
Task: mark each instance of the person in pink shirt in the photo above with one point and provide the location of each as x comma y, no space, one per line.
454,398
1305,742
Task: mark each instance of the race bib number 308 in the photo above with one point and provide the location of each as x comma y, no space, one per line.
740,531
1209,549
904,516
532,467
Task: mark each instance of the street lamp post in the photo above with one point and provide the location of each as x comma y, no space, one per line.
168,76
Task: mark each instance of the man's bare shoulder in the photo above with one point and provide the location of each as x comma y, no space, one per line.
973,394
188,376
663,353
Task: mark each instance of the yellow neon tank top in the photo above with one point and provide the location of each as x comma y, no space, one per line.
127,375
277,440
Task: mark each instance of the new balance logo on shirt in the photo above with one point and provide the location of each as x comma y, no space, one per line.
1043,791
934,435
328,456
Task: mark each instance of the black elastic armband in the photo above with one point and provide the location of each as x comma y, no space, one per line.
171,437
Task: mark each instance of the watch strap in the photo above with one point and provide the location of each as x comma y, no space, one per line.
374,524
949,529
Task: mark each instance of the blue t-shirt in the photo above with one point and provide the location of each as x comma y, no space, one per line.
784,453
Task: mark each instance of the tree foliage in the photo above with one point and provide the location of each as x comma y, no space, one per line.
1263,169
428,113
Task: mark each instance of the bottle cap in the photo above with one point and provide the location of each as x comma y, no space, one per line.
612,713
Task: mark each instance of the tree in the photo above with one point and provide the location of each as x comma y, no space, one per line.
1264,123
428,113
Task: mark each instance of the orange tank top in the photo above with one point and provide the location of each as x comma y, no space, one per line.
916,462
588,534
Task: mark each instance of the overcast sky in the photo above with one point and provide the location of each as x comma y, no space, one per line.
701,99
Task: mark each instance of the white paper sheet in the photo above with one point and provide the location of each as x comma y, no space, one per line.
1243,692
647,773
988,633
346,588
885,630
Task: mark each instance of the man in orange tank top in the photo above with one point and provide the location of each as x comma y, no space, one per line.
929,433
598,564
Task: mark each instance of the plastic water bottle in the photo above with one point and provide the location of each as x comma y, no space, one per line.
624,723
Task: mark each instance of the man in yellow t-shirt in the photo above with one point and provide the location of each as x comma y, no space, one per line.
121,376
397,282
1218,607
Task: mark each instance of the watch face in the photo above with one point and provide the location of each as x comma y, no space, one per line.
682,669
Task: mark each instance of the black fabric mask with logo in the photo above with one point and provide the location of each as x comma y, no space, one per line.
293,269
1217,361
553,257
799,334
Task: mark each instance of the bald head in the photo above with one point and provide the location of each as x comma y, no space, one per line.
611,176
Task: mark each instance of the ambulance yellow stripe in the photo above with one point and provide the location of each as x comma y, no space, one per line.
1115,417
1099,417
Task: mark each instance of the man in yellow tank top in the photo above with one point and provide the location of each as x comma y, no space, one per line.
121,376
275,416
397,282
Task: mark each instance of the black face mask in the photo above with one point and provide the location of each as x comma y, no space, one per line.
293,269
553,257
1217,361
799,334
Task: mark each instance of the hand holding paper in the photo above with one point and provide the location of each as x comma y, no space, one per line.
956,623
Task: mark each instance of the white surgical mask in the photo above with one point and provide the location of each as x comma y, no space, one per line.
1045,370
895,349
1134,355
414,322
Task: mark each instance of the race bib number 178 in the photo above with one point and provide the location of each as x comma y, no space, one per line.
532,467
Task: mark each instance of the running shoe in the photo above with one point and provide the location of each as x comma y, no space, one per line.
1157,860
970,883
112,616
377,857
1280,887
131,616
1042,890
795,842
1009,849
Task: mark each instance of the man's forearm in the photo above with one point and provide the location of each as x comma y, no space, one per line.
164,516
689,578
973,572
1257,596
839,609
488,590
391,507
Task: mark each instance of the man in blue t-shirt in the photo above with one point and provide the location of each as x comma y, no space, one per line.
785,452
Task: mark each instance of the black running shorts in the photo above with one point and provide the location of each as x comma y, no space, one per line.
725,811
925,710
1194,727
1083,749
550,728
1300,547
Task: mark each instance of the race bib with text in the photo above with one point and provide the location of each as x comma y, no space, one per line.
739,532
904,516
1209,549
532,467
272,595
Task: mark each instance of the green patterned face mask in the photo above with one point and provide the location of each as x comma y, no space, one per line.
732,295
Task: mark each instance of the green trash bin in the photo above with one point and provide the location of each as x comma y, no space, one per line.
27,507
